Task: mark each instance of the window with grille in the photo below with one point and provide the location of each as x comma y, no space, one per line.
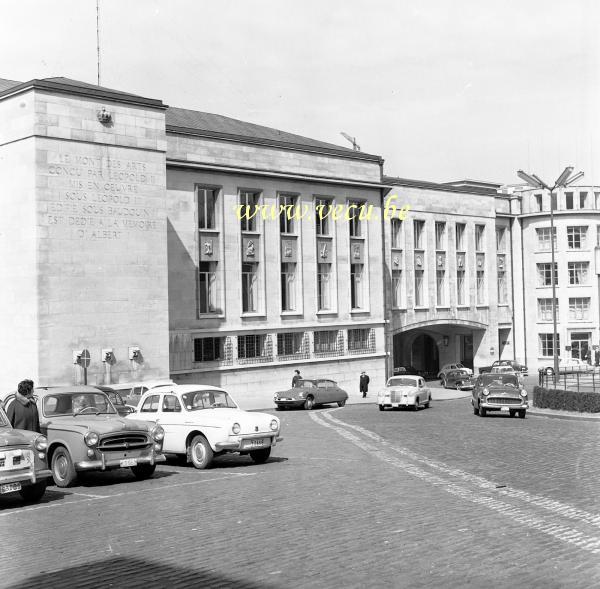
480,287
323,207
578,272
396,289
440,279
543,238
250,287
576,237
419,294
547,344
579,308
460,237
324,298
208,349
361,341
287,204
396,226
357,286
460,288
479,235
440,235
418,229
249,202
544,272
207,287
545,309
254,349
292,345
207,200
328,343
288,286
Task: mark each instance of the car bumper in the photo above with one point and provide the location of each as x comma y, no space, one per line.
505,408
289,402
402,403
247,443
25,478
116,461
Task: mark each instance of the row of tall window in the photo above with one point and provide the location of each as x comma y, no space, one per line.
579,309
578,273
577,237
257,348
579,342
572,201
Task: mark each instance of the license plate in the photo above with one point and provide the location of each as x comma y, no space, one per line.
129,462
256,443
10,488
504,408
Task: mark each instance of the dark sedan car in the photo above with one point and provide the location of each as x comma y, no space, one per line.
400,370
457,379
116,400
309,393
499,392
516,366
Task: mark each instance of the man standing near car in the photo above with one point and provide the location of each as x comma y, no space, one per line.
23,413
296,378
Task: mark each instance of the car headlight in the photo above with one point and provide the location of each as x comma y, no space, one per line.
300,395
274,425
40,443
236,429
485,392
523,393
91,439
157,433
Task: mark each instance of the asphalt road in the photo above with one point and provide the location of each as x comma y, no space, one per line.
352,497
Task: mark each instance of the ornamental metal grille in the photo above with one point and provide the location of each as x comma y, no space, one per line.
254,349
361,341
328,344
293,346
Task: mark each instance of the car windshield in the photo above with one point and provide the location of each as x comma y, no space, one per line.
197,400
401,382
77,404
499,379
3,419
115,398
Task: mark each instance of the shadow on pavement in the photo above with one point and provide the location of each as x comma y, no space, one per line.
121,571
115,477
15,501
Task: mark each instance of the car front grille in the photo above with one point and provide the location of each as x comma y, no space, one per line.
123,442
504,400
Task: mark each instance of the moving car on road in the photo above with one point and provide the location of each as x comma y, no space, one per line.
499,392
311,392
514,365
457,379
454,366
23,466
85,433
404,391
203,422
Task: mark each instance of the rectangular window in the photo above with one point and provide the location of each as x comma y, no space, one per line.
356,286
568,200
547,344
597,199
324,287
292,345
480,287
287,205
579,309
554,201
207,200
460,237
418,228
323,208
538,203
543,237
250,287
254,348
396,226
578,272
460,287
502,292
208,349
576,237
440,291
354,210
545,274
419,295
500,239
288,286
207,287
440,235
545,309
361,340
597,235
479,235
328,343
583,200
249,210
396,289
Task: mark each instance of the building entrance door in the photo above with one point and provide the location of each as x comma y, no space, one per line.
425,355
580,344
466,356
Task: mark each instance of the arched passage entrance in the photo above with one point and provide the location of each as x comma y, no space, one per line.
426,355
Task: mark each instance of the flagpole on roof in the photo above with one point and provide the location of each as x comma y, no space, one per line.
98,36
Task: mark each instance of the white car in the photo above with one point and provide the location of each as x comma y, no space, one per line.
454,366
404,391
202,421
569,365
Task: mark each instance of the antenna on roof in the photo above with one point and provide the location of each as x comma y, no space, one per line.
355,146
98,36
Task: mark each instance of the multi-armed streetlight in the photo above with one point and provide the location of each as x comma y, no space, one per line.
564,180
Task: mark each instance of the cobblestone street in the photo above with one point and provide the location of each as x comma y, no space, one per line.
352,497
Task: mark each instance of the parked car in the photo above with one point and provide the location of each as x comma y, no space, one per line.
453,366
499,392
131,392
400,370
457,379
23,465
85,433
202,422
404,391
311,392
516,366
117,401
569,366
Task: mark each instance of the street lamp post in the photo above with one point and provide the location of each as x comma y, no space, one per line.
564,180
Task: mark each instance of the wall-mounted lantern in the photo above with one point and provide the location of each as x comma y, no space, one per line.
446,340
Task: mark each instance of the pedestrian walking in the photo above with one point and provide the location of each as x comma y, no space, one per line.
22,412
364,383
296,378
597,357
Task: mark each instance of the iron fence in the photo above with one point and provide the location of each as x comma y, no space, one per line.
577,381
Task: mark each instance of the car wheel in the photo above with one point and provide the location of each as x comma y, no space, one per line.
341,403
522,413
200,452
417,404
512,412
63,470
260,456
482,411
33,492
381,407
143,471
458,387
426,405
309,403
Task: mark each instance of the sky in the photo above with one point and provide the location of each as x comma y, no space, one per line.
442,90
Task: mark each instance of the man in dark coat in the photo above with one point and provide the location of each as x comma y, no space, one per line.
364,383
296,378
22,412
